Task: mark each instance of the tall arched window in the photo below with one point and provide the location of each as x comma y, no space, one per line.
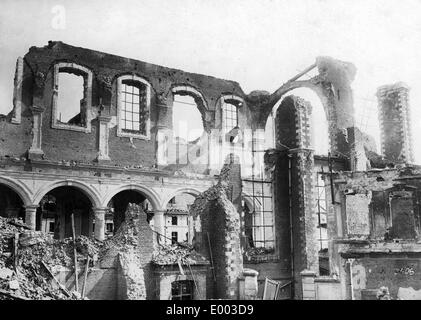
133,107
188,114
230,105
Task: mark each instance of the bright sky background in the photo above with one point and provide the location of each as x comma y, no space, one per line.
259,43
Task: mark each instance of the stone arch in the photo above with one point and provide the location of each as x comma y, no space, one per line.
151,195
190,191
278,97
219,112
199,99
189,90
22,190
292,124
85,188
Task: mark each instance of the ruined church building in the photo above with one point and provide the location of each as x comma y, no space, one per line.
329,225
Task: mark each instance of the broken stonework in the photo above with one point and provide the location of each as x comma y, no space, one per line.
133,276
219,237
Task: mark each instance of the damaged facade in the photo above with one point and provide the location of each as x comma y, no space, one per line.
214,214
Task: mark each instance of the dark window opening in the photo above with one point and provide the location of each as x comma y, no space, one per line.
403,215
174,221
51,227
109,227
394,215
134,113
174,237
182,290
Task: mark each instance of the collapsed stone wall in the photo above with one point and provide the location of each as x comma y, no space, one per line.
128,254
217,234
380,222
120,267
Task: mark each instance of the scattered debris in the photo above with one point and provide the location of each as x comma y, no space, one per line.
383,293
37,254
171,254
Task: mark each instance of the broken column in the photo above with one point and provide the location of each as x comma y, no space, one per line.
394,118
30,216
100,223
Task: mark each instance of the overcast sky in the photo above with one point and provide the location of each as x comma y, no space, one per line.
260,44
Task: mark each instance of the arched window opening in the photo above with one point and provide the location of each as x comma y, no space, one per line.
187,119
11,205
54,214
120,204
178,223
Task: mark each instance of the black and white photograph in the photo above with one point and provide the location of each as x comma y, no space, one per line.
232,151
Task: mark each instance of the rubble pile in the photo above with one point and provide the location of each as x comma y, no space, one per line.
25,276
219,193
126,243
171,254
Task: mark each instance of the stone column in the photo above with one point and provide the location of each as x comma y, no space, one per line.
304,224
100,223
35,151
159,224
30,216
103,133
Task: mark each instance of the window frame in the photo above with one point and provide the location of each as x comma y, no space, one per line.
258,225
234,100
189,284
174,234
87,95
321,210
120,130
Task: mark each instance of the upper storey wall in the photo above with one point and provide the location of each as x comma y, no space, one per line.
101,72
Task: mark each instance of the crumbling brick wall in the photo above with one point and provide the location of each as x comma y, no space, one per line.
63,144
125,271
217,230
394,118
